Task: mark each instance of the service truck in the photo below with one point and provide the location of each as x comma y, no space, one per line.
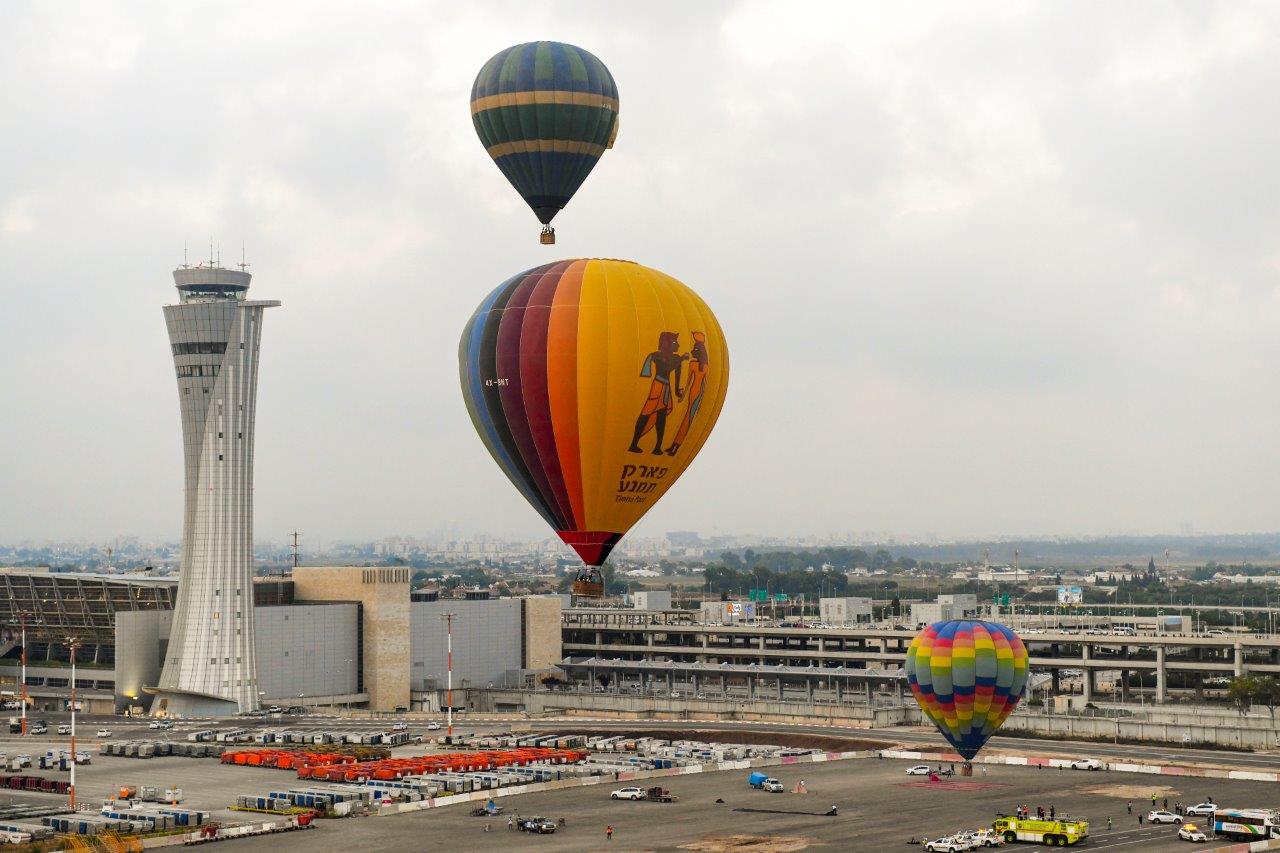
765,782
1056,833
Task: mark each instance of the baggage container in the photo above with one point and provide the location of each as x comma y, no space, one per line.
183,817
36,831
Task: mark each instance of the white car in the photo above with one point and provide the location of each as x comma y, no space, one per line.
986,838
920,770
400,727
1200,810
433,727
104,732
1086,764
154,724
1160,816
949,844
627,794
1191,832
64,729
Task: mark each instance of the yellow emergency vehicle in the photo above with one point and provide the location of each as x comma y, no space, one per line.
1056,833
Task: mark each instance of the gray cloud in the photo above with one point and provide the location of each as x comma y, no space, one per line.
982,269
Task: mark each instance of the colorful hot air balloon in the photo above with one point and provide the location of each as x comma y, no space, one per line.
968,676
593,383
545,112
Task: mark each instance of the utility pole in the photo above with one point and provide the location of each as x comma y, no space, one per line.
73,643
448,621
295,550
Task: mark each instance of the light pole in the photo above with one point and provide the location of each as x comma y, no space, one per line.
22,690
448,620
73,643
347,704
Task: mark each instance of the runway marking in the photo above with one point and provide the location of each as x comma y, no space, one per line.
953,786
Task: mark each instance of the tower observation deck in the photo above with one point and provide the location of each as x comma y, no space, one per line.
214,335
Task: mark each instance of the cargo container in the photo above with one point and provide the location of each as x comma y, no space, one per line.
183,817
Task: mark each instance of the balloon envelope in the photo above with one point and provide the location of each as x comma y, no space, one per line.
593,384
967,676
545,112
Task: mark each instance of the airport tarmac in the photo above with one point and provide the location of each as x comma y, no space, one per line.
880,808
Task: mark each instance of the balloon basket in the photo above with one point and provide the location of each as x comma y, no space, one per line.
966,769
548,236
588,589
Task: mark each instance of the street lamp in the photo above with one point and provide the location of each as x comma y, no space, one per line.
73,643
347,703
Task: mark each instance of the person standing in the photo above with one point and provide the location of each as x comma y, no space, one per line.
1053,812
608,832
1109,823
1129,806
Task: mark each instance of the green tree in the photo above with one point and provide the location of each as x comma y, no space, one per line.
1241,690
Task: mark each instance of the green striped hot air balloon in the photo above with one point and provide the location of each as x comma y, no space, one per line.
546,112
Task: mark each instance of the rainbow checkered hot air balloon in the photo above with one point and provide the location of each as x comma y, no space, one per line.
968,676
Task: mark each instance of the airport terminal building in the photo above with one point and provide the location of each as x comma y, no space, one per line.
331,636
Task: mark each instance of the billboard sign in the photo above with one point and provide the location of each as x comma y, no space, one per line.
1070,595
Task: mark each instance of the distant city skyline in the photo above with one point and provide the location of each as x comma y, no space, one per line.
984,270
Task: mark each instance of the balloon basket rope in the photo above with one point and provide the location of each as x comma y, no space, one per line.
548,236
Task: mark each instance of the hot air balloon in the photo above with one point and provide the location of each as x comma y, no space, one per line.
593,384
545,112
968,676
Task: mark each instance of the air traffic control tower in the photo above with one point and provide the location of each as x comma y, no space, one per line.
214,332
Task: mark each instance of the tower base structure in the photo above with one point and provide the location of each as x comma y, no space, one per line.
187,703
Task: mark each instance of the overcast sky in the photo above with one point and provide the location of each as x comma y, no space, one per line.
986,268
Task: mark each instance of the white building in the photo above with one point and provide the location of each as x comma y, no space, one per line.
947,607
653,599
844,611
214,332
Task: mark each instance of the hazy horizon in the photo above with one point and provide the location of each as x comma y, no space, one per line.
980,267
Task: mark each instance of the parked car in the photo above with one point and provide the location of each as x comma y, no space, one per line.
433,727
1086,764
947,844
1200,810
628,794
1191,832
919,770
275,709
39,729
987,838
165,724
64,729
1161,816
104,732
400,727
154,724
540,825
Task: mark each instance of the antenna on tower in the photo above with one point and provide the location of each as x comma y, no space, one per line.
219,256
210,251
184,255
242,261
